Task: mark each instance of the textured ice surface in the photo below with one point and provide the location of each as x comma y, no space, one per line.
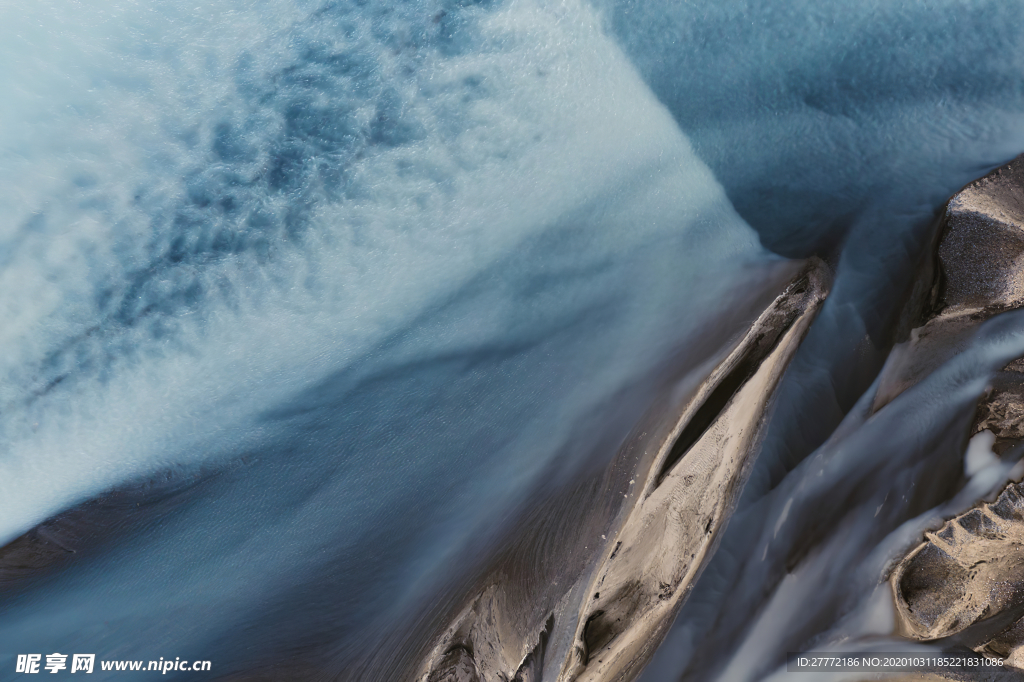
373,279
206,225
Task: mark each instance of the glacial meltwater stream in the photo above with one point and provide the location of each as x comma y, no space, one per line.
347,340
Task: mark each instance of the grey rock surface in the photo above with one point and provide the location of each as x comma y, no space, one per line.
689,459
980,274
965,582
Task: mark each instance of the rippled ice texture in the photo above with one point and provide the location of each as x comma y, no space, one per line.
374,277
369,276
205,213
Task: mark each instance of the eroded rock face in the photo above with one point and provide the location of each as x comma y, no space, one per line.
1002,412
982,251
965,583
669,535
457,665
967,572
966,580
980,274
692,457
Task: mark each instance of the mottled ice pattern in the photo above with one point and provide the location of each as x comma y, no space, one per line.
204,207
374,278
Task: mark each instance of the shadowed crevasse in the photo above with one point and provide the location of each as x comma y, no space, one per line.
693,456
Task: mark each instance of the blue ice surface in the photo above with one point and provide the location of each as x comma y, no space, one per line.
344,288
374,276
